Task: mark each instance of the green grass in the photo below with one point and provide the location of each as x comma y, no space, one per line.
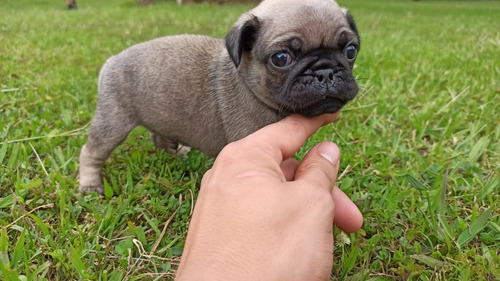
420,149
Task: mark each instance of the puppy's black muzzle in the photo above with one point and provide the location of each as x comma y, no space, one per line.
320,91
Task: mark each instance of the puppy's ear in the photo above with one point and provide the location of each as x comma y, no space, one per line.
242,37
350,21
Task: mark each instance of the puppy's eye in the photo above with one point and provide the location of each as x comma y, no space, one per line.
281,59
351,52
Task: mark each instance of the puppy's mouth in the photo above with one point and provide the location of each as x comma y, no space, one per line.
325,105
310,97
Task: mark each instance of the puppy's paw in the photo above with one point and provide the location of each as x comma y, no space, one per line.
87,189
182,151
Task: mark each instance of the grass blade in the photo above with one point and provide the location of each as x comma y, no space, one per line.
495,226
491,186
108,191
478,149
415,183
153,224
116,276
141,236
475,227
429,261
7,201
130,183
4,246
17,255
446,228
40,269
9,274
349,263
43,227
77,262
13,156
3,151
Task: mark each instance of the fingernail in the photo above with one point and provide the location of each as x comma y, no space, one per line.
329,151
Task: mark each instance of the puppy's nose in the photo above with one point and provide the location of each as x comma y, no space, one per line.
324,75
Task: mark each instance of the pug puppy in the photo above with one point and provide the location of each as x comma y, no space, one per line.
282,57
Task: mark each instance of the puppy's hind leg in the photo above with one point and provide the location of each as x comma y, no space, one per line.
169,145
105,134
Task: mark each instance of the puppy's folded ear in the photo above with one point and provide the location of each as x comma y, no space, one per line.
242,37
350,21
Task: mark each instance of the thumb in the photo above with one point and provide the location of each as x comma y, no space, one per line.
320,166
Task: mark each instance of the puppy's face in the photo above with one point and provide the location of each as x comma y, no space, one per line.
297,56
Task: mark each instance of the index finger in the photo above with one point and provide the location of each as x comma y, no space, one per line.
285,137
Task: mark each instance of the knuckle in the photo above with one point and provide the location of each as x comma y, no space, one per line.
230,152
324,168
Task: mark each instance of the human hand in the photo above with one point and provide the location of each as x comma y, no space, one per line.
262,215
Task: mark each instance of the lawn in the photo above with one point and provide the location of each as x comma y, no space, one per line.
420,145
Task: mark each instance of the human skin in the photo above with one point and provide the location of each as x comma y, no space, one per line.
262,215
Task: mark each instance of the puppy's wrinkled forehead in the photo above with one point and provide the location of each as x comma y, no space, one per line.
324,21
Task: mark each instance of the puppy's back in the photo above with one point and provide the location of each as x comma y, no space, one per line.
164,84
